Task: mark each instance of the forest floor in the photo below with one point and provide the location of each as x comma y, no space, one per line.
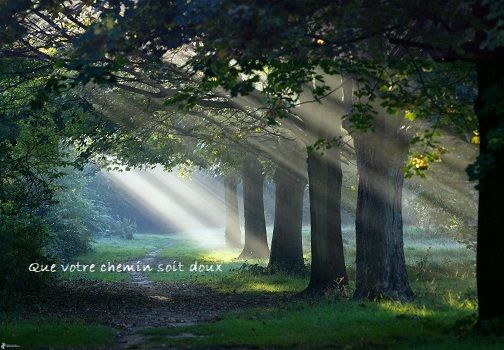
241,306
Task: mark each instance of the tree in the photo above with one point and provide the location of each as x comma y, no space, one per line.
323,122
97,67
232,231
442,32
256,243
490,114
290,183
380,262
37,161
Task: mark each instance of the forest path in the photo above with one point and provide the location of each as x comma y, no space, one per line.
131,335
138,304
180,303
138,277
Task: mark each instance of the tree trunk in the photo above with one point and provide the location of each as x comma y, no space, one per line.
286,244
380,262
328,268
256,243
490,242
232,232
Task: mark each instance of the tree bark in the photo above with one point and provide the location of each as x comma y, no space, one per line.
256,243
286,244
490,238
380,262
328,268
232,232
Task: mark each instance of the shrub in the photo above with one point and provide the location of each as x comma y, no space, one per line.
22,241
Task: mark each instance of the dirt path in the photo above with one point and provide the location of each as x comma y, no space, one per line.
137,277
130,336
131,306
181,304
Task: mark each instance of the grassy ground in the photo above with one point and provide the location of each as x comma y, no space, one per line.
332,323
115,250
431,261
54,334
441,272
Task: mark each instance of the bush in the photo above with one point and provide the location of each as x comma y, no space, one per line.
79,214
22,241
122,227
69,219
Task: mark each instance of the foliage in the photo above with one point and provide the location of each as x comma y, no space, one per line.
20,247
122,227
408,64
45,211
69,219
30,165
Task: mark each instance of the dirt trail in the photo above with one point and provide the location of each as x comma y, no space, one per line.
137,277
180,304
131,306
130,336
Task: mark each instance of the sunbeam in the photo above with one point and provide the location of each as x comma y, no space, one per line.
189,207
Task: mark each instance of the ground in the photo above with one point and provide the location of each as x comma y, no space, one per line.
242,306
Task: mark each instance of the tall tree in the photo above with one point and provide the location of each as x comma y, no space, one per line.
490,112
328,269
256,243
380,262
323,121
381,151
290,183
232,231
442,32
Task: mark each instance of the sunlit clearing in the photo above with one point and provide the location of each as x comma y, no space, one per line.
408,309
455,300
267,287
221,255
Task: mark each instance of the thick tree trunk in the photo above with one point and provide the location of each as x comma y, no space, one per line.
328,268
380,262
490,265
286,244
256,243
232,232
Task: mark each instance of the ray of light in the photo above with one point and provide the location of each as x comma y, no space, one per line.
176,202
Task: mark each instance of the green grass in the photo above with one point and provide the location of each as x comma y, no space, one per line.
236,275
442,274
428,260
434,260
54,335
333,323
115,250
187,252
